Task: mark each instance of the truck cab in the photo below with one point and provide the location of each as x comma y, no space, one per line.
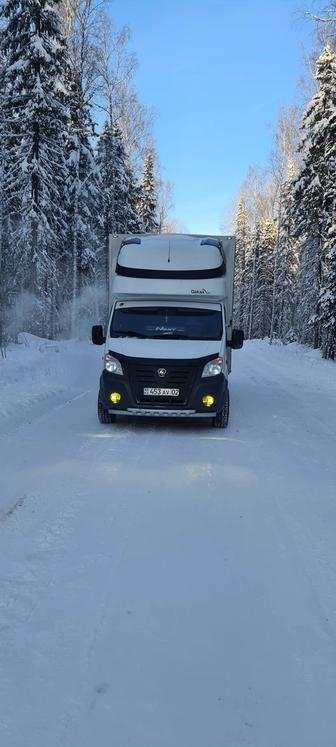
169,336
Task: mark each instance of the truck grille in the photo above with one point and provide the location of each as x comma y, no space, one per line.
177,377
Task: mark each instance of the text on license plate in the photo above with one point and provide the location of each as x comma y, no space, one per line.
159,392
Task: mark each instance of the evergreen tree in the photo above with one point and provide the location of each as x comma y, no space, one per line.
134,193
328,296
118,192
105,170
35,114
327,300
148,207
311,209
284,166
243,239
124,217
4,295
250,280
83,193
262,309
285,267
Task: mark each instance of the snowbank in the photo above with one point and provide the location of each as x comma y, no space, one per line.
294,362
36,369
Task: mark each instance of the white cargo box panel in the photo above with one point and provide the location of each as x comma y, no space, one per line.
174,266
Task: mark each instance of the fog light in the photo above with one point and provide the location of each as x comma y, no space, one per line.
115,397
208,400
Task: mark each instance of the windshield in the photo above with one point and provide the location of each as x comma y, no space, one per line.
161,322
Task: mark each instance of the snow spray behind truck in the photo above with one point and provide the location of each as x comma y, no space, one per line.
169,335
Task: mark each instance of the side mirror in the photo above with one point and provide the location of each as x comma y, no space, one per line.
97,335
237,339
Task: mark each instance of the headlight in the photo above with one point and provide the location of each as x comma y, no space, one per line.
112,365
213,368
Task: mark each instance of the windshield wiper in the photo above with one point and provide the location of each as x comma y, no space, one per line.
130,333
173,336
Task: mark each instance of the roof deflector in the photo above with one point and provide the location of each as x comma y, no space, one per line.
211,242
131,240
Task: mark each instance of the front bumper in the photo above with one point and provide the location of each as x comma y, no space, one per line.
139,373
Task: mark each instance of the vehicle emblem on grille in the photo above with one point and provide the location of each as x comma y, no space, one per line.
162,372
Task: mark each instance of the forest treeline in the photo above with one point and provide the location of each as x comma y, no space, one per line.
286,218
78,162
77,159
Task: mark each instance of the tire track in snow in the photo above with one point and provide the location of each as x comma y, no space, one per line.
44,406
92,692
5,515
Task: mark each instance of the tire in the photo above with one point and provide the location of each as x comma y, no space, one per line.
221,419
104,416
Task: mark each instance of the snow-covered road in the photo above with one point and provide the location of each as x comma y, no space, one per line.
166,584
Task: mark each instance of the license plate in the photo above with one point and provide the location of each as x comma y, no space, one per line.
159,392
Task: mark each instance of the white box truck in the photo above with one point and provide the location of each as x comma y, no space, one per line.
169,335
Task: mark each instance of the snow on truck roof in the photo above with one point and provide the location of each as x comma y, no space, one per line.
171,256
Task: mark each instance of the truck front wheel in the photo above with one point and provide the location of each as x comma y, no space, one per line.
221,418
103,414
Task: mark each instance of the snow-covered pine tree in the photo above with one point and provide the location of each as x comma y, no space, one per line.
263,292
285,266
11,254
83,193
284,164
105,171
243,240
327,300
124,218
148,203
250,280
118,192
33,44
311,210
4,275
327,315
256,209
134,193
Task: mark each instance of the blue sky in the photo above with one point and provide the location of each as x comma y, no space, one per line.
216,73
